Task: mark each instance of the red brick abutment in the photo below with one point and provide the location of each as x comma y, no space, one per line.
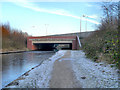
50,42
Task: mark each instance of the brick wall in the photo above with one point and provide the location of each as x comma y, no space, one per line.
33,47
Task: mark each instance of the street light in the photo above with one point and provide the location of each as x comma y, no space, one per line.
86,21
80,24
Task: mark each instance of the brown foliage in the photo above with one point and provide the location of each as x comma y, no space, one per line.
5,32
12,38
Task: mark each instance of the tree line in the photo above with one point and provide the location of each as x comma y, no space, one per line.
12,39
104,43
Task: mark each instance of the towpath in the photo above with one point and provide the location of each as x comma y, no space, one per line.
62,74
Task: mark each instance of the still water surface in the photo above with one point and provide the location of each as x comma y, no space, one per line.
16,64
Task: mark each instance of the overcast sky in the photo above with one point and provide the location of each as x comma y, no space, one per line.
55,17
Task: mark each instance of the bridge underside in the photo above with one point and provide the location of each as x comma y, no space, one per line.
50,43
52,46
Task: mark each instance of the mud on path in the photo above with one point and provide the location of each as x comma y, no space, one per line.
62,73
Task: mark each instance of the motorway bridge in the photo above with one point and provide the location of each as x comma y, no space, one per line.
49,42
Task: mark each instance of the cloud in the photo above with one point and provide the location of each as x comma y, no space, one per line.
93,16
62,12
88,5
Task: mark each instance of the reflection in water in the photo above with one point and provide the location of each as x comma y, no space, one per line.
14,65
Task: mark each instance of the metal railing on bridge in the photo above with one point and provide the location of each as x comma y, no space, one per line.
79,41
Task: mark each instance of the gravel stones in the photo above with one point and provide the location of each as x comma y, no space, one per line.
98,75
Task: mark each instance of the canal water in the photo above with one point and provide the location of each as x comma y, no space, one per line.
16,64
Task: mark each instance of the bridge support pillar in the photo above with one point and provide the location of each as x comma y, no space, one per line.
30,45
74,45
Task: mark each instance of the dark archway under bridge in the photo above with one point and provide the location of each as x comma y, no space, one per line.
52,46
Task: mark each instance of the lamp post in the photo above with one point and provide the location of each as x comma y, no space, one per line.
86,21
80,24
86,24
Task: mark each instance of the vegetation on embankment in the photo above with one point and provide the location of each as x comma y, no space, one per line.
103,44
12,39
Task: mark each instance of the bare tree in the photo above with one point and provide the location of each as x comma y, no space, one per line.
110,10
119,15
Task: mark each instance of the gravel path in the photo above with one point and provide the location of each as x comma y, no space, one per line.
93,75
69,69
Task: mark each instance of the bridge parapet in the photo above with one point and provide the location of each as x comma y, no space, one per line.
31,41
52,39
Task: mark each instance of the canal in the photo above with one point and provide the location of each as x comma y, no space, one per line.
16,64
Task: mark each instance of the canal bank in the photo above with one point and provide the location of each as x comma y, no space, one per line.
69,69
16,64
13,51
